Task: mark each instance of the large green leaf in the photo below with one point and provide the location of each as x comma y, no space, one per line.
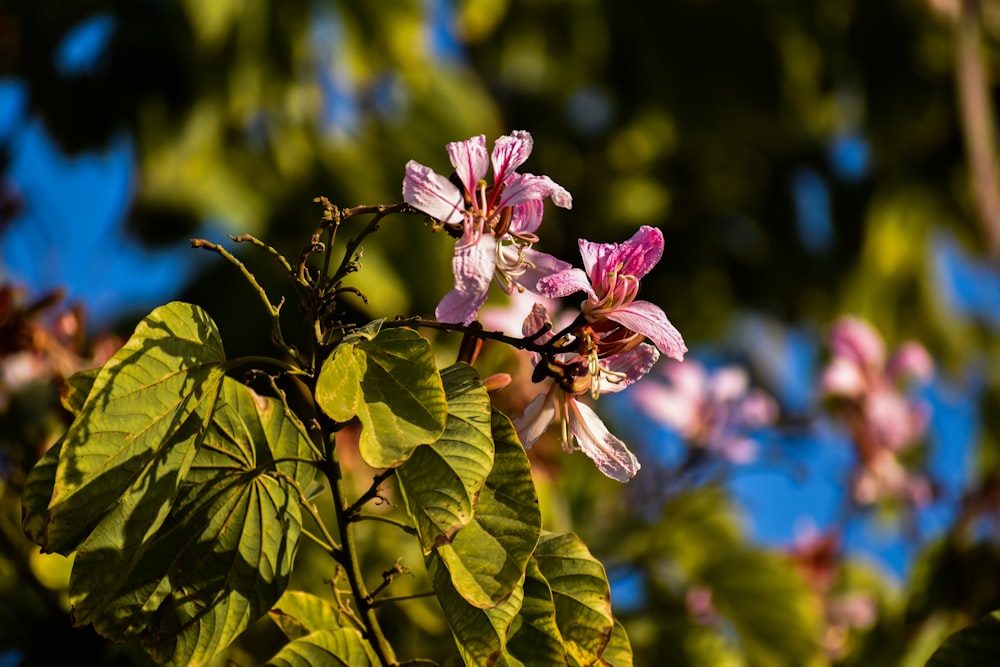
337,647
481,634
298,613
441,481
139,400
222,556
389,381
580,593
239,536
534,636
487,558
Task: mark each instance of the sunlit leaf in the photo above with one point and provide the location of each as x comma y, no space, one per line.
140,399
487,558
441,481
226,558
390,382
580,593
330,647
222,556
977,644
534,636
618,652
77,389
481,634
298,613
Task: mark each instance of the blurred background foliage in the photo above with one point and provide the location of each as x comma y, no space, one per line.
802,158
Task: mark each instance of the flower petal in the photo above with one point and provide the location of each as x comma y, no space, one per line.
633,364
536,418
857,340
432,193
526,217
527,187
470,161
473,265
595,259
608,453
509,153
564,283
540,265
460,307
650,320
639,254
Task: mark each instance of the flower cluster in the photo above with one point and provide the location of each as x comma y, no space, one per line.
603,348
866,390
711,410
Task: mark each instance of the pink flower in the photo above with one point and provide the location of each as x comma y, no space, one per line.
611,281
709,410
882,418
581,427
497,221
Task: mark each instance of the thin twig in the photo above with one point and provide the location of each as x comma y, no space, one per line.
272,309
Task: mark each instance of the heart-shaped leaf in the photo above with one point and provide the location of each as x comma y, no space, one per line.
390,382
139,400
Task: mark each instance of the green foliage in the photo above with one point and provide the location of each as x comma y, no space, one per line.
337,647
200,538
186,489
977,644
387,379
441,482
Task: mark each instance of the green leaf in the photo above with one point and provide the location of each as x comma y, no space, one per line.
441,481
618,652
481,634
77,389
225,559
298,613
487,558
977,644
122,537
139,400
774,614
390,382
38,492
339,647
580,593
535,637
222,556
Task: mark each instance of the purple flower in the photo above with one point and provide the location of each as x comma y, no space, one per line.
713,411
611,281
581,427
497,221
865,389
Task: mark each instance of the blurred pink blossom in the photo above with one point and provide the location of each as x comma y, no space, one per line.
867,391
710,410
